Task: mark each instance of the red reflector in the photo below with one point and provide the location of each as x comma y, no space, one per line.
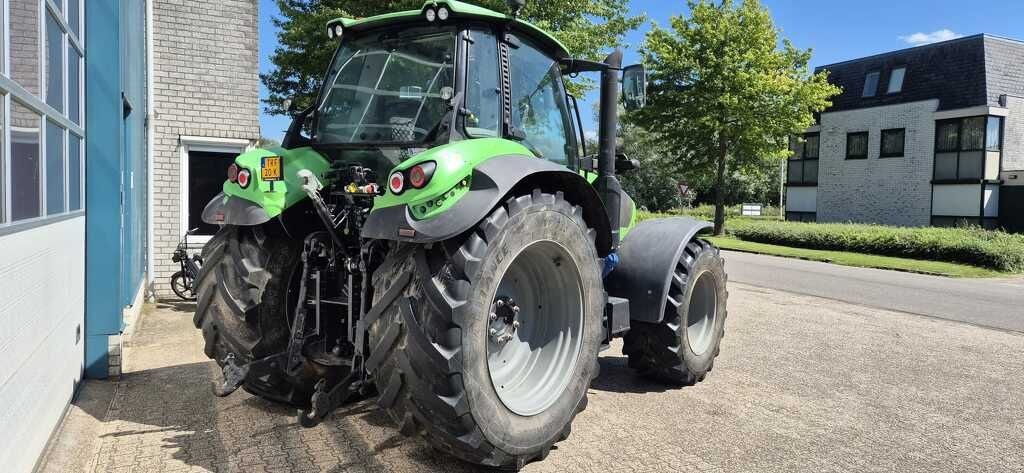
233,172
243,178
396,182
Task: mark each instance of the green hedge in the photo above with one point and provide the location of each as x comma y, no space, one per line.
971,245
996,250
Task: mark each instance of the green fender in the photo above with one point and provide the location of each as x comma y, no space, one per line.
471,179
261,200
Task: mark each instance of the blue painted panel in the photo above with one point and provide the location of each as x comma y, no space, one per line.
103,177
134,169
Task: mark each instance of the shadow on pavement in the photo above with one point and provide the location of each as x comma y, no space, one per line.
617,377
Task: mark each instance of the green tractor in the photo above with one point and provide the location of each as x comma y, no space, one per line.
433,231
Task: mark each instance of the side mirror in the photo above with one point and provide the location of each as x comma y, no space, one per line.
624,164
634,87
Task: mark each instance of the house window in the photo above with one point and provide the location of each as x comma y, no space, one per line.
993,132
871,84
41,145
857,145
967,149
896,80
802,168
892,143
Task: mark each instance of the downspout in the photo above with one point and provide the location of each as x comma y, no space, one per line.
150,114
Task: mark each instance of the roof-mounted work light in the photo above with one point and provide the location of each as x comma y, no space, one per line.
334,31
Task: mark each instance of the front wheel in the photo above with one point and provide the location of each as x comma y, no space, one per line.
490,347
681,349
182,287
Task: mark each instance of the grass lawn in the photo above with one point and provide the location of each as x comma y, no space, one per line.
857,259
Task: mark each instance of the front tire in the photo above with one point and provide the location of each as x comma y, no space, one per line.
181,288
435,351
681,349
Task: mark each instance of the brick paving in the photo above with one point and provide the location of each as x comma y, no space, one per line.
802,384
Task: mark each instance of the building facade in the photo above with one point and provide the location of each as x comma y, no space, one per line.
930,135
206,112
112,118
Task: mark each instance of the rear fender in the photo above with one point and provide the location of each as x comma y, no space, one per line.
260,200
490,183
647,260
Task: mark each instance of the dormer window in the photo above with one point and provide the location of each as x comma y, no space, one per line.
870,84
896,80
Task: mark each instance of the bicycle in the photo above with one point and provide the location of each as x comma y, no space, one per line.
182,280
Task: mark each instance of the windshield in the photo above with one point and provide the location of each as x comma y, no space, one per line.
388,88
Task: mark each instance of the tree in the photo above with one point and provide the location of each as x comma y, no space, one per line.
586,27
724,94
655,186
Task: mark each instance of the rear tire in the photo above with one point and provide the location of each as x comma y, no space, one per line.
434,358
681,349
244,300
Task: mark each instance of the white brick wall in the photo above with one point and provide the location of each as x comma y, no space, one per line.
205,64
891,191
1013,135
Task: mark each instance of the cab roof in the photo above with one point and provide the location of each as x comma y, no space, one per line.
459,10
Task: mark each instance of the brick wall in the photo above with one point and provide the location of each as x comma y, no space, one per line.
892,191
24,44
205,65
1013,134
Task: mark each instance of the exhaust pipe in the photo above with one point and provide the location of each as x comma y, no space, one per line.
607,184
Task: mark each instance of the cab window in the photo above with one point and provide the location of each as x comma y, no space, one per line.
483,90
539,109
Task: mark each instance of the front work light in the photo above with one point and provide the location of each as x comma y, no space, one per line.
431,15
337,31
442,13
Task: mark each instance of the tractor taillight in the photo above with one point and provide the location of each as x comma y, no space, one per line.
243,178
420,174
396,183
233,172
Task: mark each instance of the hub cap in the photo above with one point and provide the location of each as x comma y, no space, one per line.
534,330
701,313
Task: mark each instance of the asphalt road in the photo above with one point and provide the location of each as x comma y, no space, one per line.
802,384
994,303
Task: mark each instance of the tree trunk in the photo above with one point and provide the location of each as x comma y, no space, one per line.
723,152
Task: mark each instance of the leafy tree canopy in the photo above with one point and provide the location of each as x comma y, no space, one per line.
726,92
586,27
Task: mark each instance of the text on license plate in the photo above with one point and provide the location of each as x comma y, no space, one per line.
271,168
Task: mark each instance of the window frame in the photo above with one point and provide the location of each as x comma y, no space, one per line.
878,79
802,161
867,145
903,78
903,143
959,148
36,102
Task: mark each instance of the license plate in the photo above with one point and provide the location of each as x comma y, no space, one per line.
271,169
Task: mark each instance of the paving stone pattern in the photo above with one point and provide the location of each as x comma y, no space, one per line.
803,384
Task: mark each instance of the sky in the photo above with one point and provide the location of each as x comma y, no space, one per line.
834,31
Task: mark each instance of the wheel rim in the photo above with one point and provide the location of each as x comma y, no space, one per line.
536,322
701,313
178,284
